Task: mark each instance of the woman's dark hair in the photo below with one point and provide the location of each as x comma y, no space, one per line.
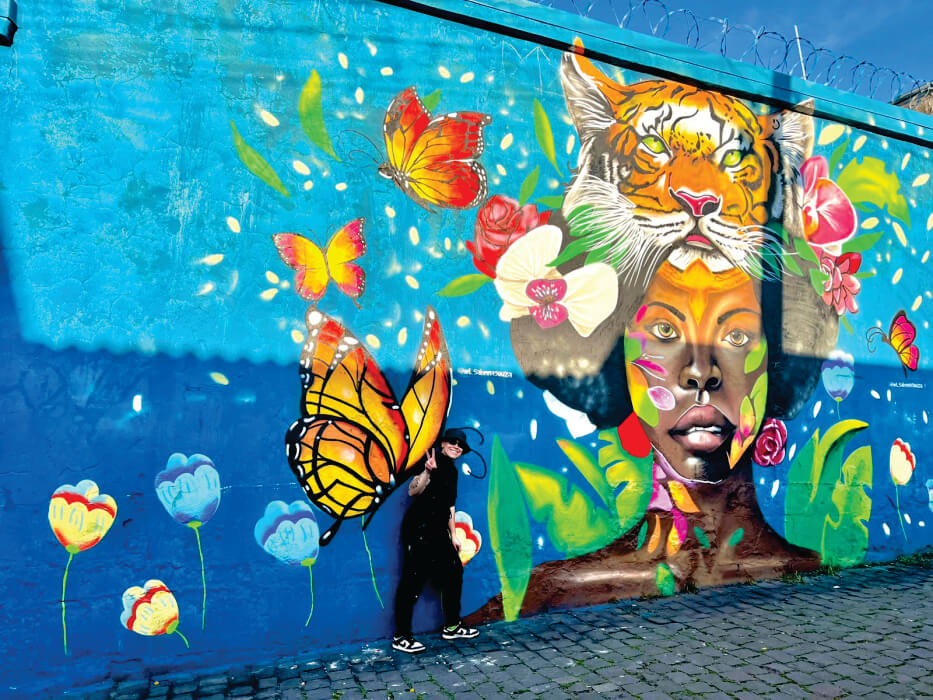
589,373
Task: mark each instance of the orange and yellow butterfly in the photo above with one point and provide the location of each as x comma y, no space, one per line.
314,268
433,161
356,442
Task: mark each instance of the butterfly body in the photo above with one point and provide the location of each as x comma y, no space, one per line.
315,268
356,442
434,160
900,337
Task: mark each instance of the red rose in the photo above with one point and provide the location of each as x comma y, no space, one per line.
769,447
499,223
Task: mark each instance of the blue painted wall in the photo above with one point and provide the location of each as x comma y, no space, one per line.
144,311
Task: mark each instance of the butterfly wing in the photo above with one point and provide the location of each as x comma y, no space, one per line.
901,337
427,399
406,119
308,262
345,246
442,169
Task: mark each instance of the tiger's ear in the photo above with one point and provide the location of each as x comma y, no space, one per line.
791,132
589,94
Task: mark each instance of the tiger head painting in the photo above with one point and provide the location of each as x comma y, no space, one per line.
669,171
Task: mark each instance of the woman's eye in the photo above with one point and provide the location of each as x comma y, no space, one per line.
664,331
654,144
737,338
732,158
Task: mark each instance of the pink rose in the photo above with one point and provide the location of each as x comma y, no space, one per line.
499,223
769,447
840,288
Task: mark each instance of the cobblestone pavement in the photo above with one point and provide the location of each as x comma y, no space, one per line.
865,633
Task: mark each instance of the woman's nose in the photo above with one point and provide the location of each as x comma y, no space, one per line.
701,373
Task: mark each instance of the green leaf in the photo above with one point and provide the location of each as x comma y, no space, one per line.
754,358
805,251
464,285
701,537
736,537
528,186
581,245
845,538
864,275
791,264
860,244
551,201
256,164
836,156
634,476
586,464
869,182
311,115
759,395
817,278
822,493
642,533
431,101
544,135
846,324
574,524
665,581
509,530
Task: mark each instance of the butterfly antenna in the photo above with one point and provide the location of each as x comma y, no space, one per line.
376,160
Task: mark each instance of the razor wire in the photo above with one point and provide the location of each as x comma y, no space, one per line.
758,46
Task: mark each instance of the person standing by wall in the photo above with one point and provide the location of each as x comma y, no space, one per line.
429,548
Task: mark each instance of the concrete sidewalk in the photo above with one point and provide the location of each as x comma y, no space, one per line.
864,632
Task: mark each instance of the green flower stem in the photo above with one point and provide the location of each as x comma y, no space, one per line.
900,518
183,638
838,401
372,571
71,555
311,583
194,525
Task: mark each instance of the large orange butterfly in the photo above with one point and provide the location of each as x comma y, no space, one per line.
314,268
356,442
900,337
433,161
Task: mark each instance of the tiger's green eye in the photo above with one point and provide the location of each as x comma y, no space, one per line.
732,158
654,144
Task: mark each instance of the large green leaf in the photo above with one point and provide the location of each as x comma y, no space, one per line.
467,284
509,530
860,244
632,476
575,525
544,135
869,182
845,537
826,499
311,115
586,464
256,164
431,101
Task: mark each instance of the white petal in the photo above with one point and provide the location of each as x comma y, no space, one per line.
528,257
510,311
513,292
592,293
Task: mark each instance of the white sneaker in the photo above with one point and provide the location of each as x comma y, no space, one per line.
458,631
409,645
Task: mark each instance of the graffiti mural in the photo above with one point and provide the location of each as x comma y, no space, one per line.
689,313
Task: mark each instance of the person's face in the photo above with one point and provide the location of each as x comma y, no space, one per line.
694,352
451,449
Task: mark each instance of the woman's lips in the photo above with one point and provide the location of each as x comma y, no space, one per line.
702,429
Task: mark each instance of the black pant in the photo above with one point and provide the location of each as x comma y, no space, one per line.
428,556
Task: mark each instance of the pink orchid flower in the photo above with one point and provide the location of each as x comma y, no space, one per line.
828,215
840,289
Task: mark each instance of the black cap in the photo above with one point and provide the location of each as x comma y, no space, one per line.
456,435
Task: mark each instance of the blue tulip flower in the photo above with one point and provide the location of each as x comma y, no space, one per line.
189,488
838,373
291,534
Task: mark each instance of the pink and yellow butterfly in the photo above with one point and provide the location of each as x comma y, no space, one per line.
315,268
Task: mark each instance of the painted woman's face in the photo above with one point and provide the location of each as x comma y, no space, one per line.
695,364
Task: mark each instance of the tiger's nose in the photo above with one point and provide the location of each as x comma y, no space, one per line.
697,204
